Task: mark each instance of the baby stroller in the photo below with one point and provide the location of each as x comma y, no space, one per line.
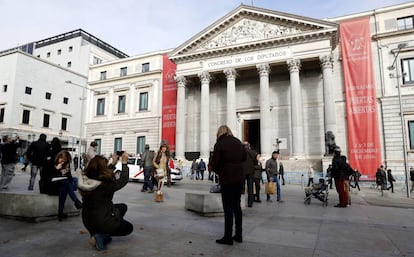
319,191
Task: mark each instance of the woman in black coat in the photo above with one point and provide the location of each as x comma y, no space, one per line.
228,157
100,215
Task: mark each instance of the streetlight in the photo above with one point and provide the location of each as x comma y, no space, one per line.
81,121
392,67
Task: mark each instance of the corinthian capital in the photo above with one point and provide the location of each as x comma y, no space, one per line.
263,69
204,77
180,80
326,61
230,73
293,65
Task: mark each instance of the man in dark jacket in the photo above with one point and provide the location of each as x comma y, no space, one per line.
340,173
248,169
228,156
8,160
37,154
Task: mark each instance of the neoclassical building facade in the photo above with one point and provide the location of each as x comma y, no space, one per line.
269,76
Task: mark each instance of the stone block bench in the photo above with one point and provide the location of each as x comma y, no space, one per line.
206,204
33,206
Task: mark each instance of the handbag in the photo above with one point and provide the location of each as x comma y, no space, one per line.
215,188
160,173
270,188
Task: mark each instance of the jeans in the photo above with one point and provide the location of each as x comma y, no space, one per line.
65,188
7,171
147,179
275,178
257,187
33,173
230,196
249,181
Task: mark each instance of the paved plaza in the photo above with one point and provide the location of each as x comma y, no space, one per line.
373,226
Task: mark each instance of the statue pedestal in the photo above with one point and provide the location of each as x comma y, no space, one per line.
326,160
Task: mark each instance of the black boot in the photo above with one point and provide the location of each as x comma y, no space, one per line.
62,216
78,204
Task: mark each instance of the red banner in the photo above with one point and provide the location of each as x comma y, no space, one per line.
361,105
169,102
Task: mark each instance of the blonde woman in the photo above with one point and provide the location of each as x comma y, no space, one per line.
227,159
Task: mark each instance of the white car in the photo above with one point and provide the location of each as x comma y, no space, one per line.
136,172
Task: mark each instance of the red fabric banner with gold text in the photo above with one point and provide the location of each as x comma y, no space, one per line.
169,102
361,105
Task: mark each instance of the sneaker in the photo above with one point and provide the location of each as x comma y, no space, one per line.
151,191
269,200
143,190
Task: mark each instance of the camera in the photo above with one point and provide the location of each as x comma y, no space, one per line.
120,153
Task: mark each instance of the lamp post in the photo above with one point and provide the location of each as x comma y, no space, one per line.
397,77
81,120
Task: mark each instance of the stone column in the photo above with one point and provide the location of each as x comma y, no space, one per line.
180,118
265,135
296,109
231,100
205,115
328,93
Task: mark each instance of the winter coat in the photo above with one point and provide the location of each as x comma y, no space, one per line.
228,156
38,152
251,160
98,212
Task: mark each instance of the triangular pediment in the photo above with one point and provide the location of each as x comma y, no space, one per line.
248,26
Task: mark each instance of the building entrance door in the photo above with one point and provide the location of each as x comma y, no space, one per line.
251,133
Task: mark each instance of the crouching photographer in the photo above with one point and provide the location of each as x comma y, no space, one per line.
100,215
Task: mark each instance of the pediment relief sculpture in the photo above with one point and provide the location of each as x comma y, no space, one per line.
247,30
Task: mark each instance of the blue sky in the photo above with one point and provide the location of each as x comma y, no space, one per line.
140,26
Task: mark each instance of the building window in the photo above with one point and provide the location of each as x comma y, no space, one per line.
59,51
2,114
69,64
28,90
96,60
118,144
140,144
4,88
98,142
48,95
145,67
64,124
46,119
100,106
408,70
411,133
143,101
124,71
48,54
121,103
65,100
103,75
405,23
26,117
70,48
